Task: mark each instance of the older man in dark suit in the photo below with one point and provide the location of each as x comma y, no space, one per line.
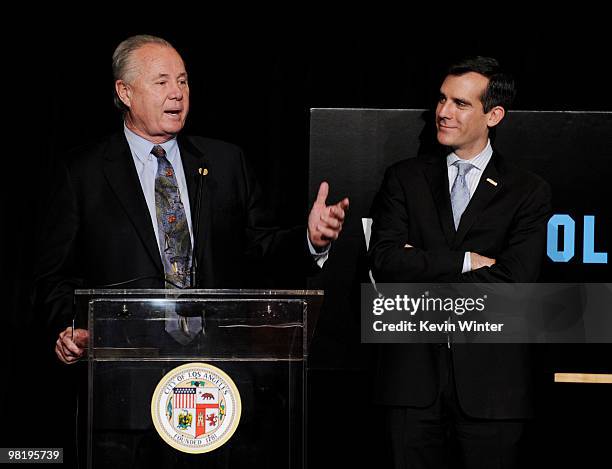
147,209
464,215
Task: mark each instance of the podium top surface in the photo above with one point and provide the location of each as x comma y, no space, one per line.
172,324
198,292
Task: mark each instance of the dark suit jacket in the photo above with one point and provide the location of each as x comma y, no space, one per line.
98,230
507,222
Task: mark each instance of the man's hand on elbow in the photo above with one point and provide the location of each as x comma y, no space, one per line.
70,345
479,261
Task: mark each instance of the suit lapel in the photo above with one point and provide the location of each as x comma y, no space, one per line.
485,191
191,163
193,159
437,177
121,175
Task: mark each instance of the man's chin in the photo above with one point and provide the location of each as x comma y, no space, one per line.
173,129
444,139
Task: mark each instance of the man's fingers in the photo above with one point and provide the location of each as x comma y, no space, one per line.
329,222
322,194
339,208
331,217
483,261
58,345
62,355
81,336
70,346
337,212
328,232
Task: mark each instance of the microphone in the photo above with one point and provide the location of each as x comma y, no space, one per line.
202,172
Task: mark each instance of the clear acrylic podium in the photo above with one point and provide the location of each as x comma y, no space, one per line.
259,338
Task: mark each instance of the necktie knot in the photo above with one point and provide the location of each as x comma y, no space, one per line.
463,167
158,151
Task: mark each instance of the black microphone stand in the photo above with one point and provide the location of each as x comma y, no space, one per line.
202,173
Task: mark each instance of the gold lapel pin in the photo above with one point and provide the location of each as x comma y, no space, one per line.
203,171
491,181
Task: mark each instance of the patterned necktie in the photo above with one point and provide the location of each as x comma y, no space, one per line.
175,245
460,193
172,224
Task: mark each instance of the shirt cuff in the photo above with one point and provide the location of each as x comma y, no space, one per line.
467,263
319,257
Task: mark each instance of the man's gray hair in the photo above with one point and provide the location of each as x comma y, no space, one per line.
123,68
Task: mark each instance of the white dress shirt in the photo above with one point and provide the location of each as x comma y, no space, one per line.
472,179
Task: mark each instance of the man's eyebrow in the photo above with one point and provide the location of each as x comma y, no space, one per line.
166,75
462,100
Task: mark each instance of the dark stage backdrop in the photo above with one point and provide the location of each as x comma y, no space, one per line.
351,148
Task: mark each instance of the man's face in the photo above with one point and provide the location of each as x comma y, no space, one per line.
460,118
157,93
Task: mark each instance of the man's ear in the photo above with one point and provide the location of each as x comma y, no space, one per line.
124,92
495,116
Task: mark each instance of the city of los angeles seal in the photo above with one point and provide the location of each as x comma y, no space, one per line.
196,408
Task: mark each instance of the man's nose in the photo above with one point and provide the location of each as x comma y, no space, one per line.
176,92
444,110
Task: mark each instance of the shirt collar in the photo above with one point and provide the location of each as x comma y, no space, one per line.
479,161
141,147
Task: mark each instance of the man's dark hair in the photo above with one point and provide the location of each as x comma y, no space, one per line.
501,89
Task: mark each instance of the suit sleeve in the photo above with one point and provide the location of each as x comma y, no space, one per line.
389,259
521,259
55,275
281,249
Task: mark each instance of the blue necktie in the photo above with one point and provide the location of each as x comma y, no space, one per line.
460,193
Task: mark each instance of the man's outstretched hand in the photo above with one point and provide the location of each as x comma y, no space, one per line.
325,221
70,346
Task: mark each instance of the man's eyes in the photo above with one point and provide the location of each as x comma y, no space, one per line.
165,82
459,104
